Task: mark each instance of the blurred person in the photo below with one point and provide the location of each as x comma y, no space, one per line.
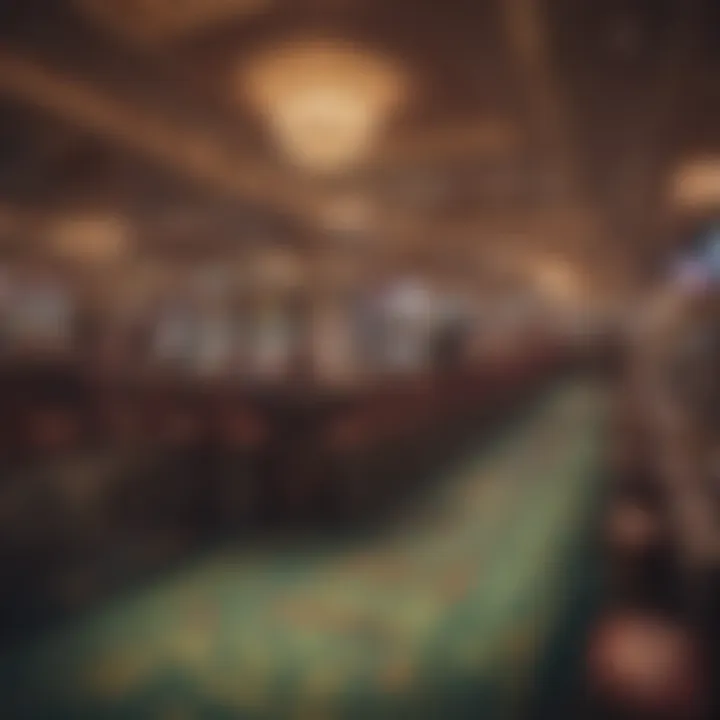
676,378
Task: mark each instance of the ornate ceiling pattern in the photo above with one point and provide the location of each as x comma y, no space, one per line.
461,120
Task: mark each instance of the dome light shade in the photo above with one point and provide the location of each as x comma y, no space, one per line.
324,102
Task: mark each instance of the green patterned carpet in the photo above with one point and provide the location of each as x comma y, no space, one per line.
446,616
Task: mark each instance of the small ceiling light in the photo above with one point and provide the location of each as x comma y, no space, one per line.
90,238
558,280
696,185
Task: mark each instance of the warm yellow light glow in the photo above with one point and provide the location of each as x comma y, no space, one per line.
697,184
558,280
325,102
90,238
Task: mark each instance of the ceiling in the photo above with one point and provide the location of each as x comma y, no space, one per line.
536,123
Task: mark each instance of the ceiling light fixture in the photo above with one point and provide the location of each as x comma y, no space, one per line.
696,185
325,102
93,238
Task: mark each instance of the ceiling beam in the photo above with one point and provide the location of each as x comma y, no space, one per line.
206,159
549,118
647,171
200,157
547,114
